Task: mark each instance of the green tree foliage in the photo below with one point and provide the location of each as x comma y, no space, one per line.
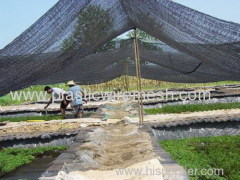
145,36
141,35
108,46
92,24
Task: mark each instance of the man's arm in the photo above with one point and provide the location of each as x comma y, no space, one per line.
69,97
49,102
83,96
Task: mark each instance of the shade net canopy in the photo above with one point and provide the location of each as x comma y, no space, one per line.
73,41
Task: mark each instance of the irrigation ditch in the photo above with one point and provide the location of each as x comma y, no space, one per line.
33,170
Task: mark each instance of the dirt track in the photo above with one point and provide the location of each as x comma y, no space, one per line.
110,148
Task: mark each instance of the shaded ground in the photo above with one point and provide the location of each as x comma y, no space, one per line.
111,113
110,148
34,129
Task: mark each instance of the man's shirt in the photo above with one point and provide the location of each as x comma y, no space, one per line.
76,92
58,93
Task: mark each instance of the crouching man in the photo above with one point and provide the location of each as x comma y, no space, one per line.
57,94
76,94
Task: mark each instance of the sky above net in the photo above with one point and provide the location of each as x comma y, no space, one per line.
16,16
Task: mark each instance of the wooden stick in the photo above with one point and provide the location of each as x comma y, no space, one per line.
138,74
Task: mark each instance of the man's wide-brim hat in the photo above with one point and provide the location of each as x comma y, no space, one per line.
71,83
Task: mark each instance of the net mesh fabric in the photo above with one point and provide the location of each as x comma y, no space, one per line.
194,47
102,66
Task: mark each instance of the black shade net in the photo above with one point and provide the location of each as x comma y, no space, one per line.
74,40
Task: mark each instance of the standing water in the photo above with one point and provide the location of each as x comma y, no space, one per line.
34,170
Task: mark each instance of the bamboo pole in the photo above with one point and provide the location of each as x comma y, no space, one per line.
126,77
138,74
140,82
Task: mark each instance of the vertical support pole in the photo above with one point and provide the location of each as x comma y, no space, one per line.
126,75
138,74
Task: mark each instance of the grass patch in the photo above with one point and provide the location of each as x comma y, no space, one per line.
12,158
7,100
192,108
19,119
207,153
